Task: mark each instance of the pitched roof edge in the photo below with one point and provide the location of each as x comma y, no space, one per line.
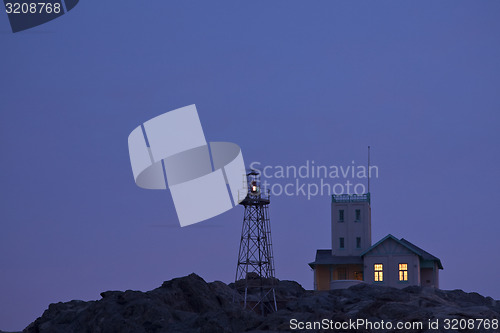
433,257
378,243
407,244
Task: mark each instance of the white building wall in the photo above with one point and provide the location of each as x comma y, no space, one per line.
350,228
391,254
391,269
436,275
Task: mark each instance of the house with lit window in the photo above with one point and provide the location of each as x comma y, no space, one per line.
353,259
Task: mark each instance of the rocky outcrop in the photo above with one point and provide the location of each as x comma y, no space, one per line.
189,304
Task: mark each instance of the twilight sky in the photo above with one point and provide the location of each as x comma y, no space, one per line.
289,82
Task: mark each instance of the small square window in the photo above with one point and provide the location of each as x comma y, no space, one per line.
358,215
341,215
341,241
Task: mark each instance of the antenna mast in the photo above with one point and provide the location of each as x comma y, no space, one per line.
368,169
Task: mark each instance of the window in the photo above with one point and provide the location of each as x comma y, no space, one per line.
379,272
341,241
358,215
342,273
403,272
358,242
341,215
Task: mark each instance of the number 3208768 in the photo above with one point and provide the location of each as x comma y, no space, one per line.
32,8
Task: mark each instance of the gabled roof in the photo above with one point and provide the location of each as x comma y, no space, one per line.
325,257
383,240
423,254
410,246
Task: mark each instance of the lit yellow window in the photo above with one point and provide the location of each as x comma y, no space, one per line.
403,272
379,272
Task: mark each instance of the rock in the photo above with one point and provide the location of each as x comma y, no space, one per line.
189,304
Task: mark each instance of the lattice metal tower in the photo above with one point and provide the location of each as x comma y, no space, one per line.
255,269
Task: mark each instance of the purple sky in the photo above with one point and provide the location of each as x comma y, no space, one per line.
288,81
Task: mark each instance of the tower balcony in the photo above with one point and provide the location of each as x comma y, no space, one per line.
351,197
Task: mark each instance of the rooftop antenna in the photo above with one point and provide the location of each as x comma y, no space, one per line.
368,169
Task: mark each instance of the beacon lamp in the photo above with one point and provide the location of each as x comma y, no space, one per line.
254,189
